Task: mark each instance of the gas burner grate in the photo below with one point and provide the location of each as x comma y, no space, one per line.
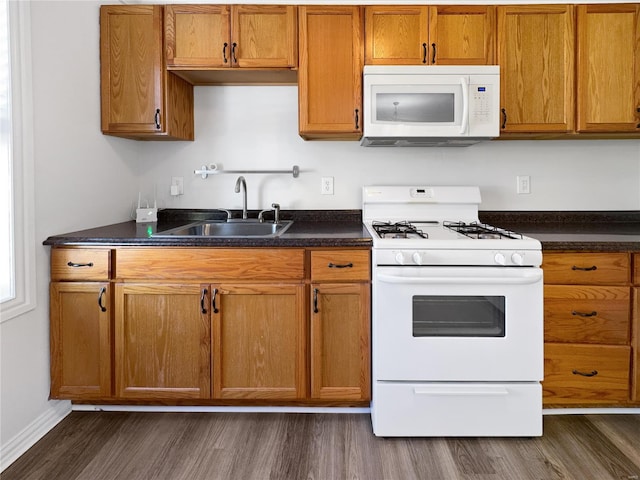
397,230
481,231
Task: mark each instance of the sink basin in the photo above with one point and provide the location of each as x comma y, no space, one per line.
242,229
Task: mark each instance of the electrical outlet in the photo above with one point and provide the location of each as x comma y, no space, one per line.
177,186
523,184
327,186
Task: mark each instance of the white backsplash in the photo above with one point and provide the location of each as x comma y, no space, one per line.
255,127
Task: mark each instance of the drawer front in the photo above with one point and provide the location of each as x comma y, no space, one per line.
585,373
586,314
586,268
457,409
80,264
336,265
210,264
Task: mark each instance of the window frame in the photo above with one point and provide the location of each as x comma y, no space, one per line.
19,31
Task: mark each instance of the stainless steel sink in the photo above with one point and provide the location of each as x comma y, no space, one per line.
238,229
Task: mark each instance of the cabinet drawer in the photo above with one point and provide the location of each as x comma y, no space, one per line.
210,264
80,264
340,265
586,268
585,373
586,314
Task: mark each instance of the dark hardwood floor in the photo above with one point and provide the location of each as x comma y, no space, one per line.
245,446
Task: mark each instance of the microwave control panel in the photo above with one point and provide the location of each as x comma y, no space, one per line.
480,103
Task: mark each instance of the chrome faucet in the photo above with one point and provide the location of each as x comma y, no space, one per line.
243,183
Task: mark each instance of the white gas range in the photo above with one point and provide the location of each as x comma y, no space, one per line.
457,319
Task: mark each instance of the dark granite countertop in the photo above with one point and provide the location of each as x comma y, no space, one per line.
604,231
311,228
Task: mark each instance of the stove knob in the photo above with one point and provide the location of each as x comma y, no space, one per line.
517,258
400,258
417,258
499,259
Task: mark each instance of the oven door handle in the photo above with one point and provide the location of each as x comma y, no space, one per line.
525,279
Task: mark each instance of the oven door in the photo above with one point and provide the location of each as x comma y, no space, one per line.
458,324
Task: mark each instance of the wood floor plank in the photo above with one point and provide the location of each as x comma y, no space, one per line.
279,446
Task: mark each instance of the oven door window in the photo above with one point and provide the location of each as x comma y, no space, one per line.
458,316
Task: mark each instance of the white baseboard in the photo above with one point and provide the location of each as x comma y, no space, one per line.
212,409
37,429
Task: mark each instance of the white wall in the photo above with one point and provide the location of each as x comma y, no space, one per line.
242,127
84,179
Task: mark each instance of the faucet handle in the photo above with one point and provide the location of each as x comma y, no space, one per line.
276,212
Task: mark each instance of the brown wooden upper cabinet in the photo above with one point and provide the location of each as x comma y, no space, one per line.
608,68
536,58
420,35
139,98
330,75
231,36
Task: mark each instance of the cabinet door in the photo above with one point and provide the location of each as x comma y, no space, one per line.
536,58
609,68
131,68
396,35
462,35
80,340
197,36
340,346
259,341
264,36
162,341
330,75
139,98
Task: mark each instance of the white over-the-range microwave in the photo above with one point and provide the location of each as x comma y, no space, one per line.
430,105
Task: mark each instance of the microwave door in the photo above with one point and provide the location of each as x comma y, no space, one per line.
419,109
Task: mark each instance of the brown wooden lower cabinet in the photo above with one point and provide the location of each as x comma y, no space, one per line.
589,327
161,342
206,325
259,342
340,346
80,332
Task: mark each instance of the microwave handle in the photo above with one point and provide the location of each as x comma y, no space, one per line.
465,105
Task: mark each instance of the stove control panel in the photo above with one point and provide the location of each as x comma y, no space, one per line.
499,258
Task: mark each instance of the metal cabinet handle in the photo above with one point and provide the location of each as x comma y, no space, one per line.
584,269
357,120
424,53
315,300
100,296
214,294
224,52
504,118
433,58
156,118
593,373
203,309
584,314
79,265
233,52
338,265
